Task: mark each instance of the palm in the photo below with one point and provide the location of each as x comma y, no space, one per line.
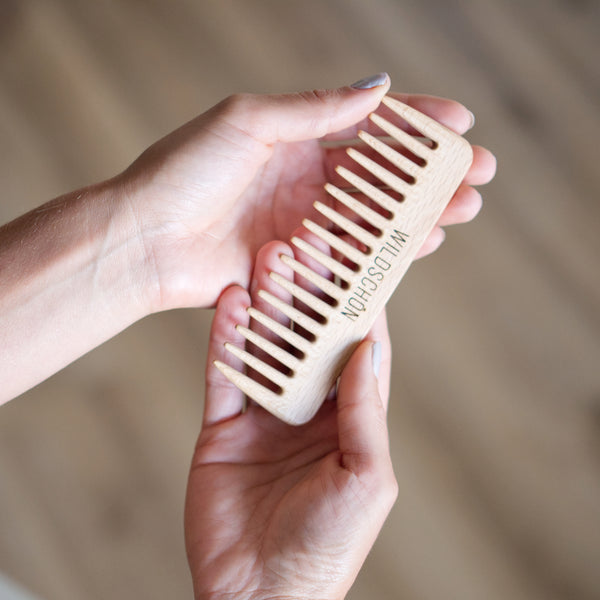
282,193
221,217
257,489
278,197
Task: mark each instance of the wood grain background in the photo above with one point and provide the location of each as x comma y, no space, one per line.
495,411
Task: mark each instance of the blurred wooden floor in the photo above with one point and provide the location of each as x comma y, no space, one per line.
495,413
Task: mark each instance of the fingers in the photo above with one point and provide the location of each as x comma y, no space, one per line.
464,206
362,428
483,167
432,243
223,400
268,261
303,115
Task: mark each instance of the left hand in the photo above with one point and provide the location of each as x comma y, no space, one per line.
276,511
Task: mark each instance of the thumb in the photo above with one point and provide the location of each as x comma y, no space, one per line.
306,115
362,427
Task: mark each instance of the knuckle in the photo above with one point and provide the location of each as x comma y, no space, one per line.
391,489
386,489
315,95
475,204
245,113
237,109
316,99
235,102
381,490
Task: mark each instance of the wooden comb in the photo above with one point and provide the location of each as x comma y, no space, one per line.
425,171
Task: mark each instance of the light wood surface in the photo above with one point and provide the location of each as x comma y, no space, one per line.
495,406
425,184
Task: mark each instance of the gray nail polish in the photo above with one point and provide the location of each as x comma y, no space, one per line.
376,350
370,82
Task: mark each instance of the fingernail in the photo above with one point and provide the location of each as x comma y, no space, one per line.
376,355
472,120
370,82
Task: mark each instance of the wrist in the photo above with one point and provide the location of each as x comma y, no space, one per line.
123,265
264,595
74,274
268,593
163,236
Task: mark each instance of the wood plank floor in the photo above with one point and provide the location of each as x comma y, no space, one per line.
495,409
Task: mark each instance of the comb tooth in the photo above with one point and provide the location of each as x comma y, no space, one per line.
337,268
324,284
380,172
293,313
285,358
247,385
286,334
268,371
334,241
426,125
350,226
360,209
407,140
366,188
402,162
301,294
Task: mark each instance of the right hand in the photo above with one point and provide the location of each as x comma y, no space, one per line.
246,172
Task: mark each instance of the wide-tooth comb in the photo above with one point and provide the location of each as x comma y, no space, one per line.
323,346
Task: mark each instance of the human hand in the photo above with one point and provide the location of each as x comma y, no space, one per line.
184,221
276,511
208,195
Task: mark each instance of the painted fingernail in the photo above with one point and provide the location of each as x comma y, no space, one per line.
376,355
370,82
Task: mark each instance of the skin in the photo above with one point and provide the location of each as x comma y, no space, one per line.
276,511
271,510
183,222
